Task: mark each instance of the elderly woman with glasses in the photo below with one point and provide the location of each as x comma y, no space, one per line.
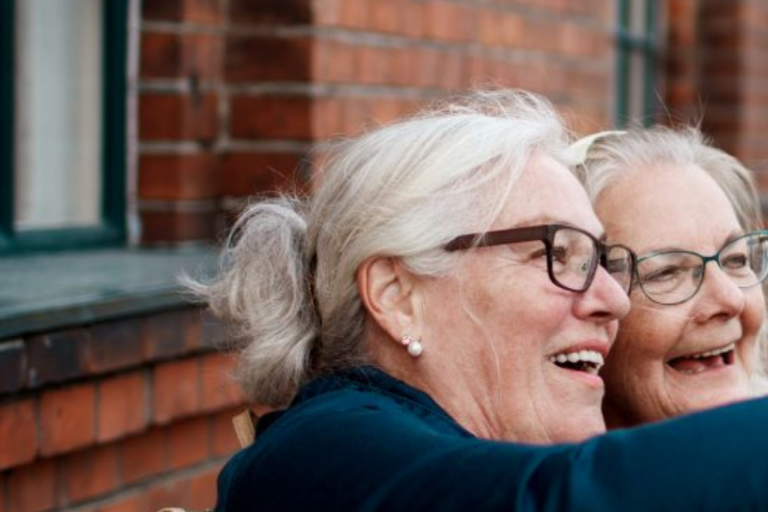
431,322
691,213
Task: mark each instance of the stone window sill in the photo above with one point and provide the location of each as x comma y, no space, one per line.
53,291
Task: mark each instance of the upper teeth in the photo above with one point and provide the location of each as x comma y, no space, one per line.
588,356
714,352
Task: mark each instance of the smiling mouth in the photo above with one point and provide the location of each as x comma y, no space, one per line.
710,360
587,361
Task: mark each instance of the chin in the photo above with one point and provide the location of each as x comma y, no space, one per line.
707,389
721,396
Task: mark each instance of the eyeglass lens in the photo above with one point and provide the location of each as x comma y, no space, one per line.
675,276
575,256
619,263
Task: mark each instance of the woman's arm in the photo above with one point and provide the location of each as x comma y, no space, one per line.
374,459
712,461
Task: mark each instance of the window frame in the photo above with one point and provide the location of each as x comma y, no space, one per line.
628,44
112,230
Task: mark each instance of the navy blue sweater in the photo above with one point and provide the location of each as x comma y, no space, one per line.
362,441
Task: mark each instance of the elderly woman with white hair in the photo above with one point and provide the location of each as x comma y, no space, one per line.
430,324
692,214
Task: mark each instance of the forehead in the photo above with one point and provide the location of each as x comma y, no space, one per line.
666,206
547,192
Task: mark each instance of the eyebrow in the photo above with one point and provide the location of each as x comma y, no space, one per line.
546,219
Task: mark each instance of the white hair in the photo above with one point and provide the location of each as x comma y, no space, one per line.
602,158
287,281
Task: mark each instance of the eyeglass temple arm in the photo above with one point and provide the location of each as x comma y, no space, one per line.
504,236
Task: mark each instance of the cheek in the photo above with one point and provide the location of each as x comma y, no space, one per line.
648,333
754,311
526,318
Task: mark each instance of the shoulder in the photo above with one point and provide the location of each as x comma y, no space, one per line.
356,413
351,438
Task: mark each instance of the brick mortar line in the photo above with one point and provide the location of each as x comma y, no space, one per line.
532,56
750,139
330,89
753,81
180,27
94,377
272,146
528,10
179,85
751,52
224,145
507,53
565,100
746,86
227,27
224,116
182,86
226,23
354,36
717,52
178,205
183,244
474,48
321,90
173,147
398,41
724,109
720,24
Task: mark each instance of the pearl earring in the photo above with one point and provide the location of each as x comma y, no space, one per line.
414,346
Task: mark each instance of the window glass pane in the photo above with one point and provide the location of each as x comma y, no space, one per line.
58,113
637,16
636,85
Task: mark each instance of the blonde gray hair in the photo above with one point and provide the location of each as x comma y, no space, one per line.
611,154
287,282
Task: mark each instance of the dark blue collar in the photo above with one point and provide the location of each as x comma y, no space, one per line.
370,379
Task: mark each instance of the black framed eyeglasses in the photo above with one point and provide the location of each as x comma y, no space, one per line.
673,277
573,254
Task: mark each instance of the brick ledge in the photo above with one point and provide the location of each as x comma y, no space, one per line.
54,291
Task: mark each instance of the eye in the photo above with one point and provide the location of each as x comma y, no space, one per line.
737,260
532,252
560,254
663,274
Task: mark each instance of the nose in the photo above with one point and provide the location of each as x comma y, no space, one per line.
718,297
604,301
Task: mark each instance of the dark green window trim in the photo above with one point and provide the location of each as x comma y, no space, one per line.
7,17
112,230
646,45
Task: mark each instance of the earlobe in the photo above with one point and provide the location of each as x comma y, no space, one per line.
389,295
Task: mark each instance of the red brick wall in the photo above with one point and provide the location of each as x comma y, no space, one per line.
717,73
179,118
683,60
234,94
129,415
751,84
